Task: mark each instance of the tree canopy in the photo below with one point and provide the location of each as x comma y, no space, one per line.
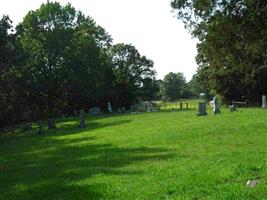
174,86
232,45
58,60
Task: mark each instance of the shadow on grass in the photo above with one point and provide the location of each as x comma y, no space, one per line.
49,168
64,127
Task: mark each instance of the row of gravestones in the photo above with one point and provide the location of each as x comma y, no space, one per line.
216,106
93,111
145,106
52,124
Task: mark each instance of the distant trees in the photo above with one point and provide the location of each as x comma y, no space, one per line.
195,86
59,60
174,86
232,45
132,72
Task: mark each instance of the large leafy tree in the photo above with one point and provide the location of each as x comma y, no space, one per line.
10,103
195,87
150,89
130,70
232,44
174,86
62,56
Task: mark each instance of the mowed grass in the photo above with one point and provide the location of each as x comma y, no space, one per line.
160,155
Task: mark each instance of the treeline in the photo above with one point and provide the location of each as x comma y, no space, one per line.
232,46
58,60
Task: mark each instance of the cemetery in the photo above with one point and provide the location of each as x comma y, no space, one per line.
84,117
155,155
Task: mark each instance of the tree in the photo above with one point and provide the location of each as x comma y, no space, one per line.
150,89
62,57
10,104
194,86
174,86
232,44
130,70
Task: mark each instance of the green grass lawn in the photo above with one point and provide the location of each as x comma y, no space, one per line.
160,155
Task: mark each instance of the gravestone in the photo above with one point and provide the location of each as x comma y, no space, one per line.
216,107
40,128
232,108
140,106
26,127
51,123
119,110
109,107
95,111
123,109
75,112
252,183
82,118
264,105
211,103
202,109
149,106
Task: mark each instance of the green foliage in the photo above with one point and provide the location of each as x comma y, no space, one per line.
131,70
163,155
9,100
232,45
150,89
194,86
59,60
63,55
174,86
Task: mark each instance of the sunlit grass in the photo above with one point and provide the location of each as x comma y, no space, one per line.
159,155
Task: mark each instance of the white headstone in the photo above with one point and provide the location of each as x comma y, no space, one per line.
109,107
264,105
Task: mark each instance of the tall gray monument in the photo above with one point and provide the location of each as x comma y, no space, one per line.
216,105
264,105
202,108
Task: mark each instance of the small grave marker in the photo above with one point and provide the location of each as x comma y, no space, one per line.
51,123
40,128
202,109
109,107
216,107
232,108
82,118
95,111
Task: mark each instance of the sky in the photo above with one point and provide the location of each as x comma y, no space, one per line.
149,25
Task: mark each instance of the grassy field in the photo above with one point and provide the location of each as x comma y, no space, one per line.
159,155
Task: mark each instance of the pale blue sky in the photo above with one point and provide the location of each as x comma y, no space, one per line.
149,25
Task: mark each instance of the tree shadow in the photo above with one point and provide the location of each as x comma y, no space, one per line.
67,129
48,168
64,127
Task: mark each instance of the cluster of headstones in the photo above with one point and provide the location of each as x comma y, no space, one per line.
147,106
93,111
215,107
